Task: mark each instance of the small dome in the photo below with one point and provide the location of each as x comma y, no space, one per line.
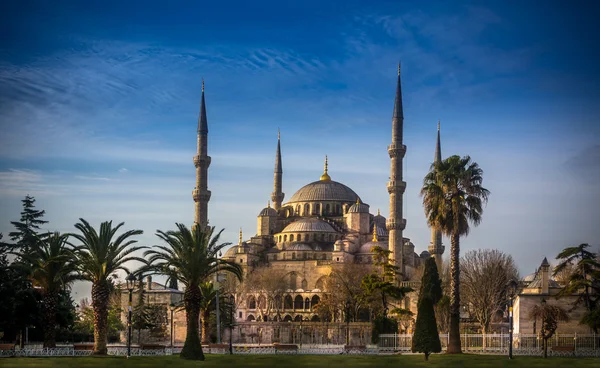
359,208
379,220
268,211
308,225
231,252
368,247
425,254
299,246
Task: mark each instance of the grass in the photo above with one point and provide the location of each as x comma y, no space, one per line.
302,361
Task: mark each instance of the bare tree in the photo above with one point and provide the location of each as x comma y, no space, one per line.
345,286
485,274
268,285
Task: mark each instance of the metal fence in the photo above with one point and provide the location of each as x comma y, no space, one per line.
523,344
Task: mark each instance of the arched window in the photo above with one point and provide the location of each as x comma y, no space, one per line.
315,300
291,237
298,302
285,238
293,280
293,255
251,302
297,212
322,237
315,318
307,209
280,238
287,318
288,303
306,304
299,237
326,209
304,284
250,318
320,283
337,209
317,209
298,318
330,237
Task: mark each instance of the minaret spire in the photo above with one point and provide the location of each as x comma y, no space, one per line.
396,186
325,176
436,249
277,195
201,194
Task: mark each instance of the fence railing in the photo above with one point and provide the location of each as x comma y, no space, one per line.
523,344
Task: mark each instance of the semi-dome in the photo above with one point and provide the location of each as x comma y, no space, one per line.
324,190
359,208
299,246
268,211
308,225
368,247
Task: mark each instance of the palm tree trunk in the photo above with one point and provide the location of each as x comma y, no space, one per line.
49,302
100,299
205,322
192,349
454,333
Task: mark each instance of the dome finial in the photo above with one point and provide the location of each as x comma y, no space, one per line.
240,236
378,212
325,176
202,84
268,204
375,232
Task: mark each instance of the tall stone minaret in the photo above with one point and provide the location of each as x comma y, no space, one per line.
396,186
201,194
436,249
277,195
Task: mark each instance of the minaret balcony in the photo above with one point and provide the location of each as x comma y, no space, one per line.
396,150
392,224
201,196
203,161
394,186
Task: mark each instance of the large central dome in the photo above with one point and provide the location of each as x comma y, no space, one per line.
324,190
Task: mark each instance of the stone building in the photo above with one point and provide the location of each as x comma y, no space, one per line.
540,285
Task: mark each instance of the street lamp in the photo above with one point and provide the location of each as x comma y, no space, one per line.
232,307
217,301
347,322
512,289
172,309
130,280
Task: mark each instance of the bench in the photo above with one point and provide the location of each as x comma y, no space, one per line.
152,347
564,348
86,347
7,349
285,347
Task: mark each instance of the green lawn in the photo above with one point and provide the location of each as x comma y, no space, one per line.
303,361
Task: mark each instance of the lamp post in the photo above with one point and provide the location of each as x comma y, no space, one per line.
172,309
347,322
217,301
232,316
130,280
512,289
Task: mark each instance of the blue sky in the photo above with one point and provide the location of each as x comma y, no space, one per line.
99,104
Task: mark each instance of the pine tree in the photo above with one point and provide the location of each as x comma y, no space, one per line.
426,338
28,225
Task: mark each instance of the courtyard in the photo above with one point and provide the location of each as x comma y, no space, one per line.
464,360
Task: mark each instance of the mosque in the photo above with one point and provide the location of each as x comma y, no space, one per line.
323,223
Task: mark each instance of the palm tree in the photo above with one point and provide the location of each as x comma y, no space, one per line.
209,297
583,270
100,255
452,198
193,256
50,266
549,315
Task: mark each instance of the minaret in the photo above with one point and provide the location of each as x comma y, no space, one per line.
436,249
396,223
201,194
277,195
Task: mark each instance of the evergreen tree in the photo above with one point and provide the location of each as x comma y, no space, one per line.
426,338
30,222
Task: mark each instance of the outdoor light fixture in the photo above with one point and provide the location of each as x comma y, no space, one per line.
172,309
512,290
130,280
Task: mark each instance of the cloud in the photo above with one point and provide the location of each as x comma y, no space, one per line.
123,170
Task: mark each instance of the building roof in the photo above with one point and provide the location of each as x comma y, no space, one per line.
324,190
268,211
299,246
368,247
359,208
309,225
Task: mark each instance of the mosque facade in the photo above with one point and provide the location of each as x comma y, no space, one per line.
324,223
